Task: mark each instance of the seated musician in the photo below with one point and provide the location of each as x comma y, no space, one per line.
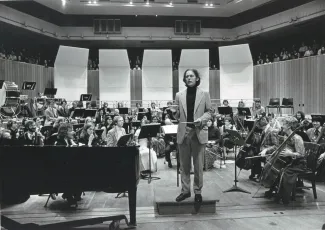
63,110
33,137
213,147
266,145
239,119
300,116
170,142
56,125
72,109
274,122
168,113
154,110
294,150
38,123
144,152
320,168
107,126
51,112
225,103
88,137
116,132
5,138
228,125
158,143
258,110
116,112
99,116
314,133
65,136
12,127
105,108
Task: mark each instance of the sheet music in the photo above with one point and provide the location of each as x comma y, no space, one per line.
169,129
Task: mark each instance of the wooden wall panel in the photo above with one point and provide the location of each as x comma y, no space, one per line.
93,84
19,72
214,87
175,83
136,86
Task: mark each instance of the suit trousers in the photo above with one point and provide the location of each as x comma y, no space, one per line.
191,147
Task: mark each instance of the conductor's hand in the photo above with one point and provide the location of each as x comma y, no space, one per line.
197,122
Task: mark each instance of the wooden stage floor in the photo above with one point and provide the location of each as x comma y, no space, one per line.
233,211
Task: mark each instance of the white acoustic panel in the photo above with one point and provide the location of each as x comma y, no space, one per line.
236,74
240,54
114,75
113,58
195,59
72,56
70,72
157,75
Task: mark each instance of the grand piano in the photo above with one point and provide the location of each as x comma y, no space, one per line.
33,170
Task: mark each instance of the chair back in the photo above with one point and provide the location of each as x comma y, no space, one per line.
287,101
274,102
312,154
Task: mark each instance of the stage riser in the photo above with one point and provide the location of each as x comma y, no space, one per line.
186,208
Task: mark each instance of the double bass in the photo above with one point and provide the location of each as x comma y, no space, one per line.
275,163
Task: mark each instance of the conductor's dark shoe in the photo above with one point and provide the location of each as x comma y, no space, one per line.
268,194
182,197
170,164
198,198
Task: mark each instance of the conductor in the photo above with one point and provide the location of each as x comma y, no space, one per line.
193,109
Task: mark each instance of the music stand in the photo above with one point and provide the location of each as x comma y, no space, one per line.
122,142
50,91
89,113
225,110
85,97
244,111
78,113
28,85
239,141
136,124
124,110
149,131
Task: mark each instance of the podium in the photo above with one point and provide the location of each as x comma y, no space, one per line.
149,131
238,140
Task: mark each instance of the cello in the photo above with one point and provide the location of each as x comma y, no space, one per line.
247,151
275,163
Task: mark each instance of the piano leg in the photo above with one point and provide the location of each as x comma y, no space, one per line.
133,205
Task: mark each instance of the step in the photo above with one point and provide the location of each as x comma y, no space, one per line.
164,198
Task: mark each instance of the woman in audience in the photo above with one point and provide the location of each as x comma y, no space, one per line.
88,137
213,147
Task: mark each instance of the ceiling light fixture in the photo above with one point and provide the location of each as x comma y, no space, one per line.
171,3
211,4
156,15
131,2
147,3
64,2
206,4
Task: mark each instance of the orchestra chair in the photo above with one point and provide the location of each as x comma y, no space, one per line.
287,103
312,151
274,103
93,104
80,104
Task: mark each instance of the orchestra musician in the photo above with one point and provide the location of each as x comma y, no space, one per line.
72,109
51,112
264,144
194,107
88,137
63,109
33,137
115,133
158,143
213,147
170,144
295,151
258,110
